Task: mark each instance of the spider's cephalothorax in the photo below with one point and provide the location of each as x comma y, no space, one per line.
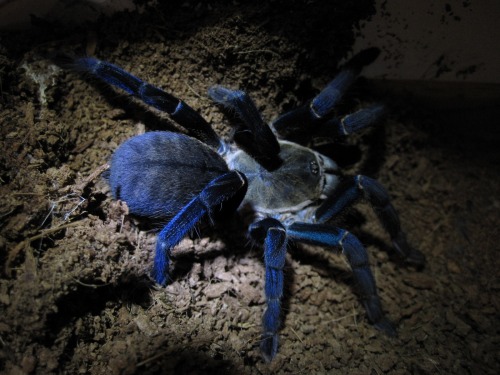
302,178
293,190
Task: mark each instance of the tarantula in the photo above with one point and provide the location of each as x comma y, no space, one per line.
292,190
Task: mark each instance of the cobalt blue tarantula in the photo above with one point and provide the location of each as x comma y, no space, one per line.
292,190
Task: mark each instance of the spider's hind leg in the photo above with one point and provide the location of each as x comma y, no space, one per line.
180,112
219,190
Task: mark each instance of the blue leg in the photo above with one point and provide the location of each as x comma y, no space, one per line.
354,188
273,234
320,234
354,122
317,111
253,134
179,111
211,197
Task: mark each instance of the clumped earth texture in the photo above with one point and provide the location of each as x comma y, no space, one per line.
75,292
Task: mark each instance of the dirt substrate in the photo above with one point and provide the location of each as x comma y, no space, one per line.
75,296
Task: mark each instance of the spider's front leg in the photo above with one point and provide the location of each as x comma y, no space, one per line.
219,190
325,235
299,123
353,188
273,233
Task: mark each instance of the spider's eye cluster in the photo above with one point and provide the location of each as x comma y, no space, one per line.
313,165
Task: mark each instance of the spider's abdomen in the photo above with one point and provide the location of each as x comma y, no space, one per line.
303,178
157,173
